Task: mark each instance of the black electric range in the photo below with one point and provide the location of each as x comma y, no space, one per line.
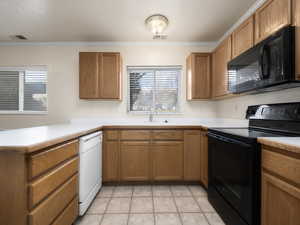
235,160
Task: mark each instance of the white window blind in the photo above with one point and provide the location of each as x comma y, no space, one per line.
23,90
154,89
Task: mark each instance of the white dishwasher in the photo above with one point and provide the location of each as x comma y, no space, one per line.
90,169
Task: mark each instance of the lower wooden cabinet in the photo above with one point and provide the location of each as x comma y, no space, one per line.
280,187
167,160
204,159
155,155
40,188
110,161
192,155
280,202
135,161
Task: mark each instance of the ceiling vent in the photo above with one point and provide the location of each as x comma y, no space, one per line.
18,37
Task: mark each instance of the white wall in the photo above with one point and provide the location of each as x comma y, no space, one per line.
236,107
63,96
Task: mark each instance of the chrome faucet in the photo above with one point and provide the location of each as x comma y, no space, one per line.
151,116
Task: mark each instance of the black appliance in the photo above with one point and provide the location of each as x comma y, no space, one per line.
235,165
268,66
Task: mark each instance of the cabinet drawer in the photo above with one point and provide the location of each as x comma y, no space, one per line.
39,189
282,165
69,215
135,135
111,135
167,135
41,162
48,210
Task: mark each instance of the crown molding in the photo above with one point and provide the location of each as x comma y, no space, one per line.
100,43
249,12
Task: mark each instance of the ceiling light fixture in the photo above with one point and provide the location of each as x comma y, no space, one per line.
157,24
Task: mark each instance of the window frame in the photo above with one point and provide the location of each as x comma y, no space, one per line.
21,90
154,68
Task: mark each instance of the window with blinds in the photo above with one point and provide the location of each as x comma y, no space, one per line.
154,89
23,90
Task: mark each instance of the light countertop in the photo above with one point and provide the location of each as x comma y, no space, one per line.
31,139
291,144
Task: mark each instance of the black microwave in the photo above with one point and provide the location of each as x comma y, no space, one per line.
268,66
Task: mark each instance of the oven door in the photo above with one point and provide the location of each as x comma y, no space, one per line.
232,173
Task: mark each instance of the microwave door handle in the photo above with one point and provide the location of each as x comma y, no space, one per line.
264,50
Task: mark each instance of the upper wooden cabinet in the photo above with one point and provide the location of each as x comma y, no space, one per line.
221,56
198,70
243,37
100,75
272,16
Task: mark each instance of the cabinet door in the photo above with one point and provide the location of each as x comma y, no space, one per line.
88,75
280,202
135,161
204,159
221,57
198,76
167,160
110,76
296,7
110,161
270,17
243,37
192,155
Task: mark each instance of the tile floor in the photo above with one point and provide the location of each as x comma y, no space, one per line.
151,205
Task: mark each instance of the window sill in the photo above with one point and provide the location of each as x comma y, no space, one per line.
155,114
23,113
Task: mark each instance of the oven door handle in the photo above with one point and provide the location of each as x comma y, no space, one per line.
228,140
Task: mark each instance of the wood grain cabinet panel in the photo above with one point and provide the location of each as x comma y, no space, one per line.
198,70
167,135
135,161
48,210
192,155
221,56
111,161
280,202
39,189
41,162
204,159
296,22
243,37
167,160
69,215
100,75
135,135
111,135
89,75
110,76
271,17
283,165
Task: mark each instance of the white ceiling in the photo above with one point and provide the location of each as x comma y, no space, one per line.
117,20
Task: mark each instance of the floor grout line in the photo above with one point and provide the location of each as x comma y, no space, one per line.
202,212
105,210
174,195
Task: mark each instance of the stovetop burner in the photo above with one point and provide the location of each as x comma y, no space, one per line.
249,132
